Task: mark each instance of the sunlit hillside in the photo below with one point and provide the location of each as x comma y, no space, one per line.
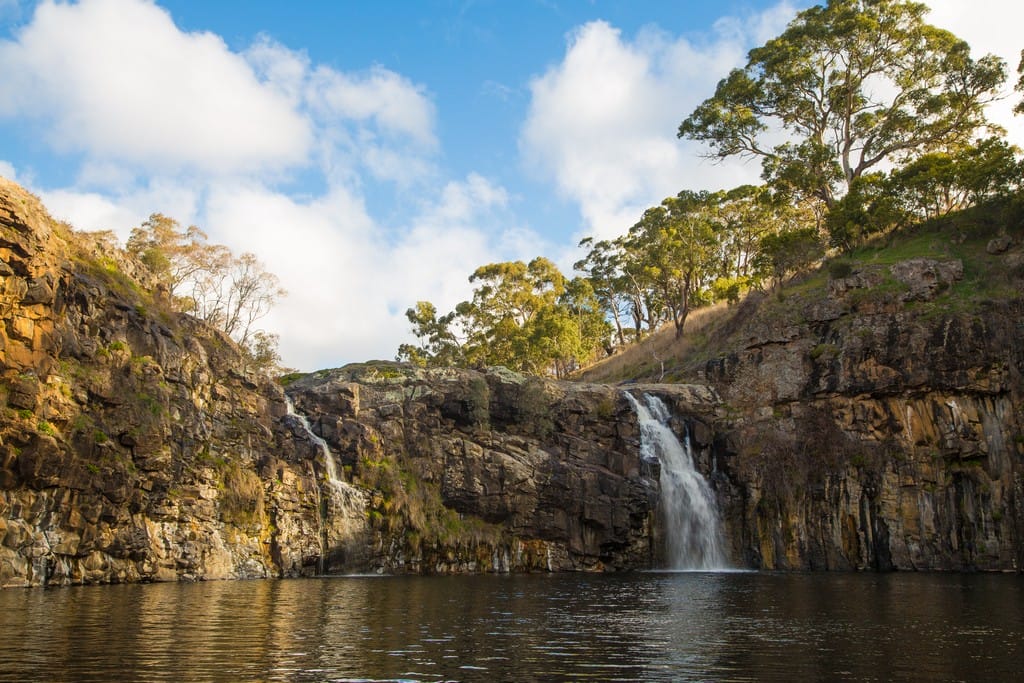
715,331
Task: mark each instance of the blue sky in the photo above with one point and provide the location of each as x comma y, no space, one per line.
375,153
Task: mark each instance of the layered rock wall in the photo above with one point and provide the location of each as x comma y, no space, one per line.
877,428
872,428
484,471
134,443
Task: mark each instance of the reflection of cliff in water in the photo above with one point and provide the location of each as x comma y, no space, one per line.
647,627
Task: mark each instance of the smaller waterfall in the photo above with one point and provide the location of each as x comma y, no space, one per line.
330,464
342,506
693,538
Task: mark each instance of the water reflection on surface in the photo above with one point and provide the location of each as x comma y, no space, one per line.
657,626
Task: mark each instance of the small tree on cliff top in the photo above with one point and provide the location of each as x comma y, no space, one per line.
174,255
525,316
229,292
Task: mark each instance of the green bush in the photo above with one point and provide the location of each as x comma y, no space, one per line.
837,270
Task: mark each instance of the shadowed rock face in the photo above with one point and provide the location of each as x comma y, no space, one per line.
866,435
548,472
494,471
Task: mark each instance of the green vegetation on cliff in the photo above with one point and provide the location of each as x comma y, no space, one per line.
984,240
867,121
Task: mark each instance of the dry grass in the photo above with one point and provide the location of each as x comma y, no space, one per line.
660,355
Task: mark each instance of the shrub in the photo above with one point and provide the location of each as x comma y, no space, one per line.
839,269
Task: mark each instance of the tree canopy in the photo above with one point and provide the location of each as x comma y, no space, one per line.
206,280
865,118
852,84
679,243
525,316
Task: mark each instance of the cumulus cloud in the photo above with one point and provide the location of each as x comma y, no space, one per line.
989,26
117,79
120,82
7,170
348,286
395,104
602,122
375,121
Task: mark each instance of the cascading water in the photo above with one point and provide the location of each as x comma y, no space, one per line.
342,506
693,538
330,465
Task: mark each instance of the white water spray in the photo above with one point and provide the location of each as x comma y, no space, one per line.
693,538
330,465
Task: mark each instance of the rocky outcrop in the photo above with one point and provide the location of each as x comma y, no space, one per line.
134,443
880,427
492,471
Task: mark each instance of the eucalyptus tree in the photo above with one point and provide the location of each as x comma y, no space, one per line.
680,244
505,300
852,85
439,345
173,255
233,292
209,282
525,316
603,268
591,333
948,180
750,220
1020,84
743,216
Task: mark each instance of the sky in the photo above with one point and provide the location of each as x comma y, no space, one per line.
374,154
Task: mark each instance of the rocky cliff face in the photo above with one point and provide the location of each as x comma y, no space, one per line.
134,443
877,428
492,471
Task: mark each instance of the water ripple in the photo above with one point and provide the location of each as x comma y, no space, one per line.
649,627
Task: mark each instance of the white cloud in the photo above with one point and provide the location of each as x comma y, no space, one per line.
376,121
7,170
118,80
395,104
990,27
602,122
89,210
121,211
348,287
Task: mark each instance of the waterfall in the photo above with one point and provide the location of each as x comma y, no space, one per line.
692,530
330,464
342,506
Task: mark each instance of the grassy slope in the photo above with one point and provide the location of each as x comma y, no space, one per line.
715,331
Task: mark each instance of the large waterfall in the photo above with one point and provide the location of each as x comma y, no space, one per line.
693,538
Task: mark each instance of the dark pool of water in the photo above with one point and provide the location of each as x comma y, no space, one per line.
636,627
